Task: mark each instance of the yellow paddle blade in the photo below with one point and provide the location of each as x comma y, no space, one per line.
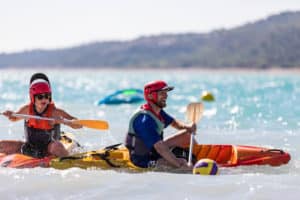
194,112
96,124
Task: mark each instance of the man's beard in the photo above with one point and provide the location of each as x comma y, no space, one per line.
161,104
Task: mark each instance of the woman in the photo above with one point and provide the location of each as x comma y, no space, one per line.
41,136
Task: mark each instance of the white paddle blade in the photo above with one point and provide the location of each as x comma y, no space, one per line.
194,112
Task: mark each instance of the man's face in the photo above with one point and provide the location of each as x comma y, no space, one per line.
162,98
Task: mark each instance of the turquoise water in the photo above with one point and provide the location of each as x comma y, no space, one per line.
251,108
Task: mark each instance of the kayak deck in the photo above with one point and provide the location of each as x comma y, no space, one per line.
225,155
110,157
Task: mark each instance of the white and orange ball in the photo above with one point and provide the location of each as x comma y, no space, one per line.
206,167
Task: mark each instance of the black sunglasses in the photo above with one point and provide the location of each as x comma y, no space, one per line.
43,96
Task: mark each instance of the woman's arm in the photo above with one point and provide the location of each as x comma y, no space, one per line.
10,114
61,114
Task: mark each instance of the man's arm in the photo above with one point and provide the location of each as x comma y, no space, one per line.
164,151
177,124
180,125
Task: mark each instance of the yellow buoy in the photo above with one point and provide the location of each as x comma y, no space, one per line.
207,96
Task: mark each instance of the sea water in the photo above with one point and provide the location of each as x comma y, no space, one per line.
250,108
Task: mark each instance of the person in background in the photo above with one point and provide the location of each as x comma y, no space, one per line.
145,141
41,136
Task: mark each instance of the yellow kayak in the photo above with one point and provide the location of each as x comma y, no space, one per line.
117,156
114,156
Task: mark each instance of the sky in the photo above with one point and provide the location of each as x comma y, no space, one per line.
48,24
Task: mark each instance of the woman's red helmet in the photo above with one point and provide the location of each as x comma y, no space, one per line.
154,87
39,86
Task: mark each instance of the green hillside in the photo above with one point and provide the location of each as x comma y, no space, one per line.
270,42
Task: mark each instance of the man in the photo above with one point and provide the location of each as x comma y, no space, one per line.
42,136
145,139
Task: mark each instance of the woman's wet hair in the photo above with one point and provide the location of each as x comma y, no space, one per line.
39,76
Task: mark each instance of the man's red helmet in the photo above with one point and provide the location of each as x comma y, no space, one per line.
39,86
154,87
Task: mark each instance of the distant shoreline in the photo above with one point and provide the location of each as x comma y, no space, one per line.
275,70
269,42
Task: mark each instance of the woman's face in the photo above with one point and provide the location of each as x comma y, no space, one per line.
41,101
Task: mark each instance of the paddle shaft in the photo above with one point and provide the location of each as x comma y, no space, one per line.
37,117
191,149
95,124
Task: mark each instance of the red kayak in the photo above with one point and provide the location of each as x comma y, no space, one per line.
23,161
236,155
19,160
